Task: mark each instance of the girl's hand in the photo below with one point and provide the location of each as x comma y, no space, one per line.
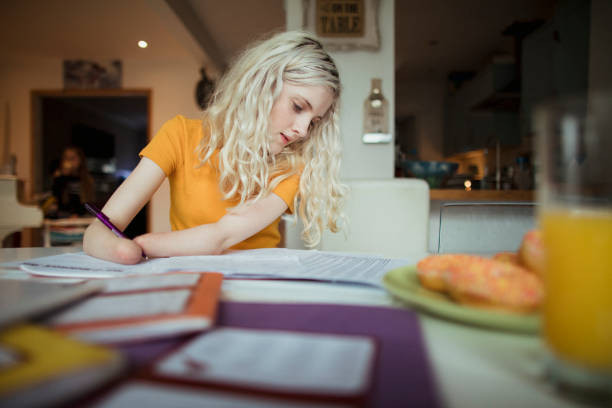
126,251
100,242
121,208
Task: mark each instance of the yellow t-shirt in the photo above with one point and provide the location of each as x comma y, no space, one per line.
195,198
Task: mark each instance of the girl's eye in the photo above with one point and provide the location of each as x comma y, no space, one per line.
297,108
313,123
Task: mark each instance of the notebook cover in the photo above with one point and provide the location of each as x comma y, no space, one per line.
402,375
49,367
180,367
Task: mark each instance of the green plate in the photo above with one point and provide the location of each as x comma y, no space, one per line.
404,284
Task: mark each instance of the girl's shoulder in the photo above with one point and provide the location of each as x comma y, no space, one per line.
185,124
189,130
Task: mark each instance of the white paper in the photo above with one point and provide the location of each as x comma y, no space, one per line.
81,265
76,264
134,283
274,263
155,395
276,360
124,306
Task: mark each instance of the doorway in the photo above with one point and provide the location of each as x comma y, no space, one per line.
110,126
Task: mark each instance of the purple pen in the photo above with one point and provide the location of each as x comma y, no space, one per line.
96,212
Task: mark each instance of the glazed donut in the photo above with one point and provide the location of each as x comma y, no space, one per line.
481,282
494,284
431,269
509,257
531,252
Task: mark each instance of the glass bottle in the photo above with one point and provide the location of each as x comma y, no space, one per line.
376,115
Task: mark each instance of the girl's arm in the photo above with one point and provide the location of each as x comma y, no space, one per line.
213,238
121,208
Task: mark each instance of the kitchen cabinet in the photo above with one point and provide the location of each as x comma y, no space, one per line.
497,104
472,121
555,59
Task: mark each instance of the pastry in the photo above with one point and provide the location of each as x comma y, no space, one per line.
509,257
494,284
430,270
482,282
531,252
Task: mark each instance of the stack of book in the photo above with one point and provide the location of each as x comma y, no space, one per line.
179,344
54,361
76,349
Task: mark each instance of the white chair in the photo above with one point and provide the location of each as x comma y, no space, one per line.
15,216
291,232
483,227
385,217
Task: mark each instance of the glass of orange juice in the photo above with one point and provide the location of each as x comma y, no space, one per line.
574,189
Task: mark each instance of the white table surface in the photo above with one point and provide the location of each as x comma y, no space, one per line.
473,367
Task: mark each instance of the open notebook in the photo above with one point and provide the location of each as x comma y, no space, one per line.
144,307
299,368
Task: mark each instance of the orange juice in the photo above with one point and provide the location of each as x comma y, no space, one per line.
578,307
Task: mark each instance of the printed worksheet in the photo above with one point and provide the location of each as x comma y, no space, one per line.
269,263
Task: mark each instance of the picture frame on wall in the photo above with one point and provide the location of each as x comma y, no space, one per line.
343,25
88,74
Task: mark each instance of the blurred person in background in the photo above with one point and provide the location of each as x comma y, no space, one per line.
72,186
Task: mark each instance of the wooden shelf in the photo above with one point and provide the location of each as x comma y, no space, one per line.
481,195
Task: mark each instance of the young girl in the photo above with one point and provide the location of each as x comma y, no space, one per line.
72,185
268,144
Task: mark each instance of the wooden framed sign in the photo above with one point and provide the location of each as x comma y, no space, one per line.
343,24
340,18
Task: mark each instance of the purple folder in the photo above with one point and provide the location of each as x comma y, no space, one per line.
402,376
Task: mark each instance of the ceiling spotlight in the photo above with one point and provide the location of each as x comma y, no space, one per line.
143,44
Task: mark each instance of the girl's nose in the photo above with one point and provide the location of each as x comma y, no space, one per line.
301,125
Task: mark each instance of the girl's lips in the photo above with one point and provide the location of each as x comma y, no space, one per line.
285,138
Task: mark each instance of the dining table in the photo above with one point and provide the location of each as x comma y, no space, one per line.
472,365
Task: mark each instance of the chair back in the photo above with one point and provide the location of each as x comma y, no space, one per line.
385,217
483,227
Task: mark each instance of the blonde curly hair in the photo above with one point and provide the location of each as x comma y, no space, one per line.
237,121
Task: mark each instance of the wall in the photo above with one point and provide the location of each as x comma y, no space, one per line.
361,161
17,78
172,84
